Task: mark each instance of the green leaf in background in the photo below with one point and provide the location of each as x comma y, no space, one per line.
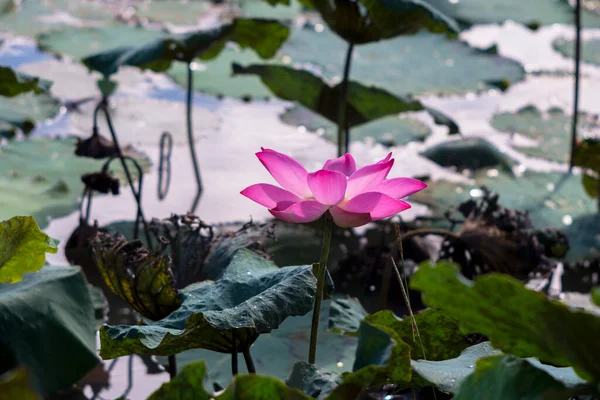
27,109
42,177
105,63
596,296
408,65
396,130
468,154
252,296
137,275
551,130
13,83
508,377
191,383
440,335
587,154
179,12
590,49
372,20
47,325
258,387
540,12
312,380
364,103
23,248
345,316
15,385
81,43
552,199
263,36
516,320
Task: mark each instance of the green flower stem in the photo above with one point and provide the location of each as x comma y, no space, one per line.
574,120
321,275
190,133
343,133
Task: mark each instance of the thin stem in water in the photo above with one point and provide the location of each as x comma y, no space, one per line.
575,118
190,133
249,361
172,366
321,276
343,131
234,355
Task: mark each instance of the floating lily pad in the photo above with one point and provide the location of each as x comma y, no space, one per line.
13,83
47,325
423,63
590,49
31,18
468,154
23,248
179,12
42,178
345,316
552,130
540,12
389,131
312,380
262,9
25,110
552,199
275,354
253,296
82,42
515,319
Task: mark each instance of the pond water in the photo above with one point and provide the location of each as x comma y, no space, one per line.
229,131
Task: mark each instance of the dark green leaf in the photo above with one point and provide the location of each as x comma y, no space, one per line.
440,335
468,154
517,320
508,377
105,62
13,83
345,316
26,110
23,248
587,155
596,296
252,296
137,275
257,387
15,385
313,380
363,104
191,383
107,87
47,325
590,183
372,20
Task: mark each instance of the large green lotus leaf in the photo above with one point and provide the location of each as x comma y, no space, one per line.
389,131
508,377
31,18
276,354
444,66
552,199
345,316
47,325
539,12
261,35
364,104
253,296
373,20
589,49
447,375
42,178
440,335
551,130
15,385
191,383
23,248
312,380
82,42
584,237
516,320
25,110
13,83
141,277
468,154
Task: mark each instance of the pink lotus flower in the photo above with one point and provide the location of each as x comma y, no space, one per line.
354,197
